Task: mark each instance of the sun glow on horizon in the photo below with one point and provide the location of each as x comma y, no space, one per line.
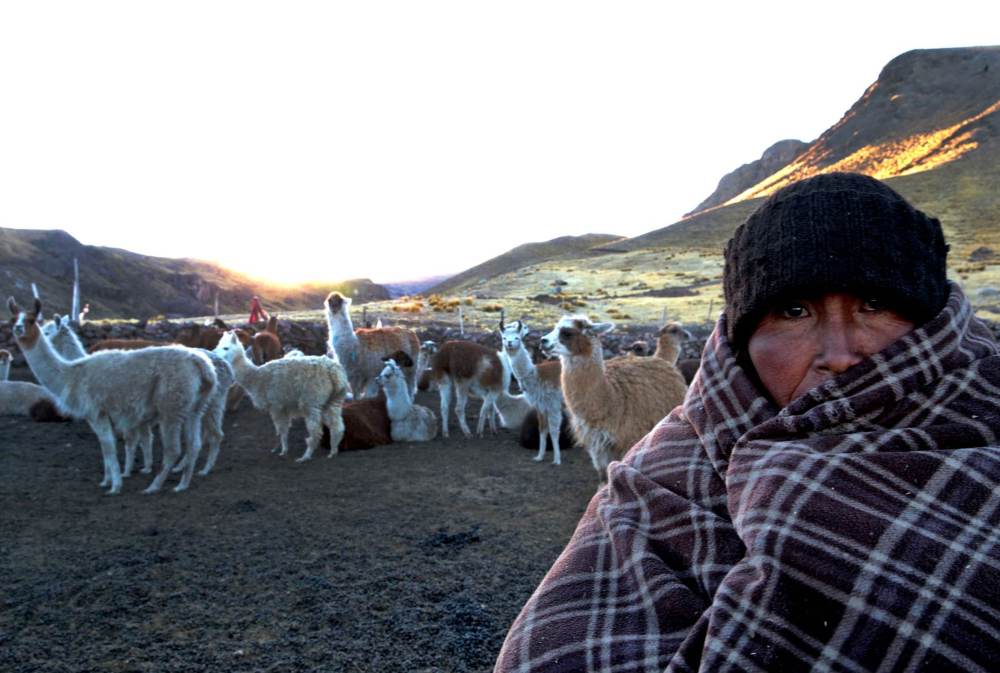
326,141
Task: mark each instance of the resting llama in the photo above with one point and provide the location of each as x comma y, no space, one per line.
616,403
409,422
541,386
361,351
310,387
124,390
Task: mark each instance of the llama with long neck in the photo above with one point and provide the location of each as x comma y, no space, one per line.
124,390
66,342
612,404
541,386
361,351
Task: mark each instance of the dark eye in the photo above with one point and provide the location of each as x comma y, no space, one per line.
793,310
565,333
873,304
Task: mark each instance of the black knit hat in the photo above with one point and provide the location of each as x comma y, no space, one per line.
838,232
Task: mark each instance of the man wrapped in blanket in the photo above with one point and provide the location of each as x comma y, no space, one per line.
826,498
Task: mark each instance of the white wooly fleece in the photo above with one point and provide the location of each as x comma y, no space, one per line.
17,397
126,390
309,387
215,411
5,358
409,422
543,395
66,342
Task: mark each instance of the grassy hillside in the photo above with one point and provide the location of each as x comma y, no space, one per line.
522,256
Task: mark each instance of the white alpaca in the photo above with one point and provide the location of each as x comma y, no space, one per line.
5,358
66,342
541,386
309,387
409,422
124,390
361,351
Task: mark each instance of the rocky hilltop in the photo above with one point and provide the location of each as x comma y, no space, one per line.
775,157
928,108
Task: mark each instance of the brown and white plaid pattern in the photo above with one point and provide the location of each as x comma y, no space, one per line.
858,529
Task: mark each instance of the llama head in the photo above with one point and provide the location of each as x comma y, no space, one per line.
428,348
229,346
337,303
58,324
512,336
575,335
390,371
675,332
25,323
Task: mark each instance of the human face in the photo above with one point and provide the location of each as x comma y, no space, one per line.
800,344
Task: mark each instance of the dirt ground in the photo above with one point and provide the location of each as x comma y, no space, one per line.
409,557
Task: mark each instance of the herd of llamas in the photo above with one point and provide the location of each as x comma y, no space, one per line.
361,391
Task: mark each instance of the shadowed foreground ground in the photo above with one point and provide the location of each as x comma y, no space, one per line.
400,558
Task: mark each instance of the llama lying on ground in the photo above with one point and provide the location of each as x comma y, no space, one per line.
17,398
613,404
309,387
463,368
366,422
541,386
361,351
66,342
529,435
5,358
409,422
123,390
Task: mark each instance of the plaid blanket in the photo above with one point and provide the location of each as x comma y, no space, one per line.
857,529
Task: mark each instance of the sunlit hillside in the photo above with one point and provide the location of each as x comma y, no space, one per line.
930,127
927,109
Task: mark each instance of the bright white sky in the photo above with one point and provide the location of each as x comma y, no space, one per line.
394,140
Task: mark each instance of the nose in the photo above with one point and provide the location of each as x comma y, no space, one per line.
546,342
841,348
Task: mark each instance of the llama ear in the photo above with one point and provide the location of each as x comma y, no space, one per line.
524,329
602,327
38,307
12,305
